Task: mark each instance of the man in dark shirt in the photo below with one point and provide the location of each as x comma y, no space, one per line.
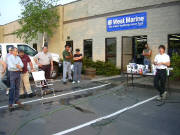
67,57
25,86
77,66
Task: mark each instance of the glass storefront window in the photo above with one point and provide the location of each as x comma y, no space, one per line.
88,48
111,50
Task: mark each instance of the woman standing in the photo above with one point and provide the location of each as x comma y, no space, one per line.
77,66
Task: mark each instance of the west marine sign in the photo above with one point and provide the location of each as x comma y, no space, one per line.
127,22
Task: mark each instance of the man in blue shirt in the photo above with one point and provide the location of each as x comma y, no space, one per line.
15,66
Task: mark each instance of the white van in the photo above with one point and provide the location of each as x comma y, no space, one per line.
31,52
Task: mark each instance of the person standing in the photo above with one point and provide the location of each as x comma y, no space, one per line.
147,54
162,61
44,61
67,57
2,71
77,66
15,66
10,51
25,84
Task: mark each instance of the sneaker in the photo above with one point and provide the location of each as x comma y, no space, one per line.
164,95
64,82
31,95
7,91
22,96
70,80
10,108
73,82
159,98
78,81
19,104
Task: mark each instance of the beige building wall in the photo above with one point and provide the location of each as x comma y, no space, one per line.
161,21
86,19
1,33
87,8
56,43
8,37
8,30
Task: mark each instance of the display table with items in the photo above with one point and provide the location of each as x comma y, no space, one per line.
134,69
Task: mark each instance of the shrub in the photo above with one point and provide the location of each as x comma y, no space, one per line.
102,68
175,63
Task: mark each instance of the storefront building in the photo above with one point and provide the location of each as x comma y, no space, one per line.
117,30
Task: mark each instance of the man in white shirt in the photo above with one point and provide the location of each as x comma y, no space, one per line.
15,66
44,61
162,61
10,51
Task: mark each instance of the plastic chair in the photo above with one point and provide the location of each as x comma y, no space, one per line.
40,82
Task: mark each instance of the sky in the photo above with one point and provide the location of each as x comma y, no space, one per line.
10,10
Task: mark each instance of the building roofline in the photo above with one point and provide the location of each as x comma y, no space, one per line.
72,2
10,22
54,6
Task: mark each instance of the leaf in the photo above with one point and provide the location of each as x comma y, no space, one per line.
38,16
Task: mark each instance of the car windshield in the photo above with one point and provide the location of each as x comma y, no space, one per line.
27,50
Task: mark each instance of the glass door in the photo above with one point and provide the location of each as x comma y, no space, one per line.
127,52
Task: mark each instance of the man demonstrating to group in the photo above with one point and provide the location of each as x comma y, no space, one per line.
162,61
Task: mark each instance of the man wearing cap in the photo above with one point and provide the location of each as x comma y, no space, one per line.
25,84
44,61
15,66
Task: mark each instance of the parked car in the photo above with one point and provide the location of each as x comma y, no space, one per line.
4,47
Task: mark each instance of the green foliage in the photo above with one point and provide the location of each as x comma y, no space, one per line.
175,63
102,68
38,16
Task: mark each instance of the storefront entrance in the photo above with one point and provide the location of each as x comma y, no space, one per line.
70,42
132,48
174,44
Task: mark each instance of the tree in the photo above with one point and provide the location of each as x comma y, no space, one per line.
38,16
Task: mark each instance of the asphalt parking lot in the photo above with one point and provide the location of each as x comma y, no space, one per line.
94,108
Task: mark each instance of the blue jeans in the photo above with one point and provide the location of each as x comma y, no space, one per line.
147,62
66,69
8,78
77,71
14,87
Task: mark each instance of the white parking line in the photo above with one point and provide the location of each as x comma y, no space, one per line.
65,94
105,117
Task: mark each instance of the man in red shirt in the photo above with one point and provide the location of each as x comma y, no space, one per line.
25,87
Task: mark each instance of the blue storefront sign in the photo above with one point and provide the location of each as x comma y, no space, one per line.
127,22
